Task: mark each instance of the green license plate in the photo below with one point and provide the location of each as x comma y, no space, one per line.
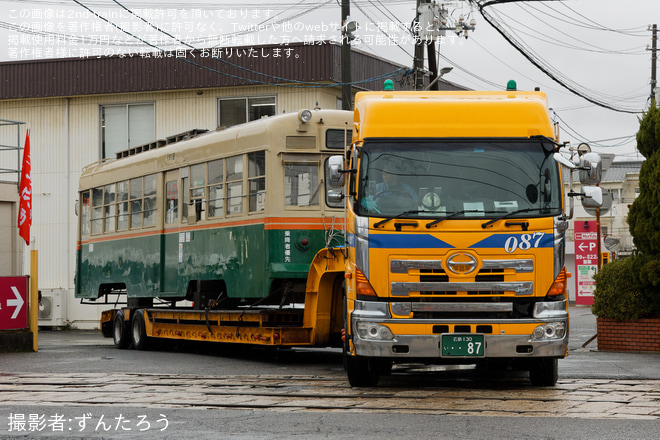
462,345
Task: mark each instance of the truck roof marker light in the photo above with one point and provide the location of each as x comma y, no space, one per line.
362,284
559,285
511,86
388,85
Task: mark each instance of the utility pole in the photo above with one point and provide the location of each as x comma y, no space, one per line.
654,59
432,21
418,62
346,88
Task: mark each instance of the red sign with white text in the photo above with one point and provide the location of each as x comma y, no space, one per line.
13,303
586,261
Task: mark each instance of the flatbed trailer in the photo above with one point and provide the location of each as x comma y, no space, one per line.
314,323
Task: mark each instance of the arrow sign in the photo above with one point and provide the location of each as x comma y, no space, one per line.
13,303
17,303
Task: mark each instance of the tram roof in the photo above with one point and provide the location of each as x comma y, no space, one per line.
234,138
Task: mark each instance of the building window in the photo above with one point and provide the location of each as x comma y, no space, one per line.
125,126
234,111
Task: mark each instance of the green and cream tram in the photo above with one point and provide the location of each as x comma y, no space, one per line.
222,219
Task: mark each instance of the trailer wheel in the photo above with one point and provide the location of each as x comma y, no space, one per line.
120,334
138,331
544,372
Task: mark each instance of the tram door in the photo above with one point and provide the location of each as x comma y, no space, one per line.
170,243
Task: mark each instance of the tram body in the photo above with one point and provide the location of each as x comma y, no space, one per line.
224,218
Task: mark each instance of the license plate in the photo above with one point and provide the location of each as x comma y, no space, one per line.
462,345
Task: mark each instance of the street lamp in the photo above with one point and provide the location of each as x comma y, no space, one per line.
443,72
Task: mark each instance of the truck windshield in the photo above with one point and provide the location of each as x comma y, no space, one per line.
473,178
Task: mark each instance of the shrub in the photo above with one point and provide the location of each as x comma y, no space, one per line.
618,295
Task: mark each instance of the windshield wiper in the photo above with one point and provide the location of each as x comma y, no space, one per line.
452,215
509,214
382,222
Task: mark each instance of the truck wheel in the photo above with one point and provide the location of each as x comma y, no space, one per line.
138,331
361,371
544,372
120,333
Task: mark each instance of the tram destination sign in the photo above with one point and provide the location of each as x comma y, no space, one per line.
13,303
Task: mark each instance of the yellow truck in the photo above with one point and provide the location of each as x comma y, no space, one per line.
455,225
434,234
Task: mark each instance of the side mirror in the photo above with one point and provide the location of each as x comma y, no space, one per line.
591,171
335,196
559,157
592,196
334,172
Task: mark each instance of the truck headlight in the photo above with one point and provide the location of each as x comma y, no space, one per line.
371,330
555,330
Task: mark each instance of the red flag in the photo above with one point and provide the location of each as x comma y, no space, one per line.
25,192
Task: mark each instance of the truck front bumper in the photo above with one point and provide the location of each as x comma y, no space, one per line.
419,338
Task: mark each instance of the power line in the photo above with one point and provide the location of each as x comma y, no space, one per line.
538,62
302,84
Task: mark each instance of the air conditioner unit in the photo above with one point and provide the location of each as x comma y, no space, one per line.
52,308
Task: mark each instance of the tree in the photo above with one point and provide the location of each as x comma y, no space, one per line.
630,288
644,214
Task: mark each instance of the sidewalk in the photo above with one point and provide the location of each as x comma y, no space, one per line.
584,361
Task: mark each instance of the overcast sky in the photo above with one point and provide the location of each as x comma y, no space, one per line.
596,47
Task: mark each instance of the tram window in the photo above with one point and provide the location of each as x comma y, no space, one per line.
109,207
186,199
97,211
122,205
136,203
198,189
234,185
172,200
257,180
336,139
216,171
234,198
301,183
149,202
216,189
84,213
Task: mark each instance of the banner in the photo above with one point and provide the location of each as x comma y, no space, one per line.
25,192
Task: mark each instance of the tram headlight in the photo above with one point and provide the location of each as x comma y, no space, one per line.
371,330
305,116
555,330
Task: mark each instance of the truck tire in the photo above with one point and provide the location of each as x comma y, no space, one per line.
138,331
361,371
120,333
544,372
